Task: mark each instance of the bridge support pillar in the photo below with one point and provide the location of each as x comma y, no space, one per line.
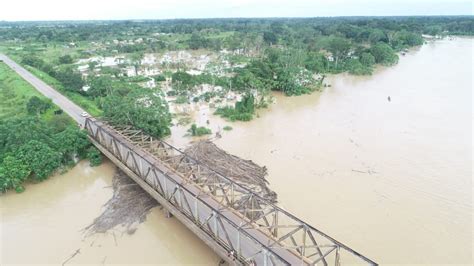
168,214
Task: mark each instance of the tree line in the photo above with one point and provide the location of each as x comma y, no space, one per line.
33,148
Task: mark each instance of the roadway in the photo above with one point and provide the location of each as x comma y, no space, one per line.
61,101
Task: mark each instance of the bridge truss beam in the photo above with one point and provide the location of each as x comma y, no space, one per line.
240,225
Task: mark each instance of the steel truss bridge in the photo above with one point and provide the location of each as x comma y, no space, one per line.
239,225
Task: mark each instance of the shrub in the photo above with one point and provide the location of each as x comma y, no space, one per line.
94,156
242,111
66,59
199,131
181,99
159,78
37,105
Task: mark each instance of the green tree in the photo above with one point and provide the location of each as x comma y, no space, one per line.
357,68
316,62
376,36
199,131
270,38
38,147
36,106
339,48
367,59
404,39
92,64
94,156
246,105
71,142
100,86
197,41
182,81
13,172
40,159
135,60
245,80
66,59
70,79
33,61
142,108
384,54
243,110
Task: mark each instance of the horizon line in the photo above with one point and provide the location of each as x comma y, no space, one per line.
210,18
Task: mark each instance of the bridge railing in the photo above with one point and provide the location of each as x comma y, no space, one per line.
262,231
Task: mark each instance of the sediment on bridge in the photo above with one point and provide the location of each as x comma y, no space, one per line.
240,225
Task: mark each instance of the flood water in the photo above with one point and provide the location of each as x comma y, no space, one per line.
391,179
43,226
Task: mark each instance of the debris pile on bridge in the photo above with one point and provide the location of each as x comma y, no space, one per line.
128,207
245,172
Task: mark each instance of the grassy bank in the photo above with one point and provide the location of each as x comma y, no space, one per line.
15,92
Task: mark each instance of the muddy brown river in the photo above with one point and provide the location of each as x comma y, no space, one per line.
43,226
392,179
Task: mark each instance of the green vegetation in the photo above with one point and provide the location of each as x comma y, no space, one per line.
68,78
227,128
243,110
15,92
199,131
120,101
383,54
182,82
142,108
247,57
35,139
37,106
66,59
89,105
94,156
33,149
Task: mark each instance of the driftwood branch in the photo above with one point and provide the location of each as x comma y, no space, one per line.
72,256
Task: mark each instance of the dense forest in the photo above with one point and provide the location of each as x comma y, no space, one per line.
252,57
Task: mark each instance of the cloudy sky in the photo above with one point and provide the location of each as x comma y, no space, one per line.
166,9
